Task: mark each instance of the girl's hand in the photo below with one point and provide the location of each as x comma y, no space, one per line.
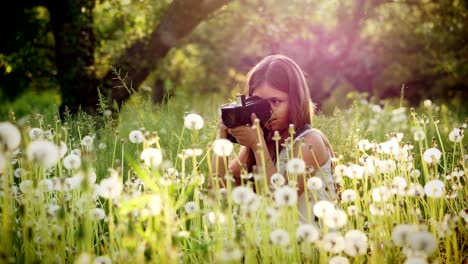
222,129
247,135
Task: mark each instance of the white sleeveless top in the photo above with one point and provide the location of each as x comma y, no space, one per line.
324,173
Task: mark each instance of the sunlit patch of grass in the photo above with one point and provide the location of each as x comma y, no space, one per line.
132,187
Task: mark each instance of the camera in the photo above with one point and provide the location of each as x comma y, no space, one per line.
237,114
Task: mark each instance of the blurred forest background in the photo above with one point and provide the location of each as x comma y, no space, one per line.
61,52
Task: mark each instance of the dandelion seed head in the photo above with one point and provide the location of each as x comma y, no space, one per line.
280,237
321,208
296,166
352,210
381,194
136,137
338,260
335,219
87,141
151,157
277,180
355,172
102,260
72,162
333,242
348,196
432,155
191,207
10,137
110,187
307,233
241,195
434,188
44,153
26,186
35,133
356,243
222,147
340,170
364,144
286,196
456,135
401,234
193,122
423,241
419,135
98,213
314,184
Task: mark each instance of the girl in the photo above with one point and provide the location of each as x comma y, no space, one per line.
281,82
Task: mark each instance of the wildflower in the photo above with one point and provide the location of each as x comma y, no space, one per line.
434,189
427,103
26,186
321,208
432,155
72,162
296,166
314,184
102,260
136,137
285,195
90,175
381,194
241,194
42,152
83,258
419,135
98,213
45,185
87,141
423,241
387,166
35,133
280,237
415,173
195,152
214,217
338,260
355,243
110,187
340,170
72,183
352,210
333,242
375,209
416,260
348,196
273,213
230,253
193,122
102,145
190,207
76,152
355,172
10,136
402,233
456,135
364,145
277,180
151,157
335,218
222,147
307,233
399,185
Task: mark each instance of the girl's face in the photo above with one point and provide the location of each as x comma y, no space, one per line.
279,103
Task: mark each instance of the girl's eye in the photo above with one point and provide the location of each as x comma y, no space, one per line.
275,101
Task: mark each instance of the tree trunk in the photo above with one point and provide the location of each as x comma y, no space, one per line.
143,56
72,25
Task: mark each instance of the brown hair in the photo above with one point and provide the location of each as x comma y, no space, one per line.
284,74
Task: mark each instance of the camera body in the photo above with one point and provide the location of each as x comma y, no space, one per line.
238,113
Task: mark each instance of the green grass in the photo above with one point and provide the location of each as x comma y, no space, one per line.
148,221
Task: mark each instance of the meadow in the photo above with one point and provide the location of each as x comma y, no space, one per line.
132,187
